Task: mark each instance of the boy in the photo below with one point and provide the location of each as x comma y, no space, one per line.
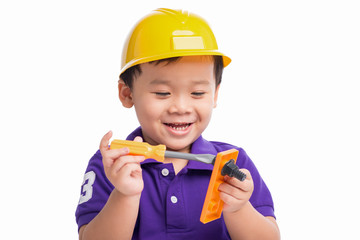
171,74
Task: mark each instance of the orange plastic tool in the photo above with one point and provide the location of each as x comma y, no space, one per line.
141,148
213,205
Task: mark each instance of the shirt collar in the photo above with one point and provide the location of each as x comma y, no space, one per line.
200,146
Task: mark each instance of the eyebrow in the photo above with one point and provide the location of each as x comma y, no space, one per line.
159,81
201,82
162,81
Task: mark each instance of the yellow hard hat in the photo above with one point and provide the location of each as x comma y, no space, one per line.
166,33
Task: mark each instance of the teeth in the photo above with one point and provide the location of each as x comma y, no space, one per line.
178,126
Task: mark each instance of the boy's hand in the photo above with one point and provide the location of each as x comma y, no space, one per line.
234,193
122,170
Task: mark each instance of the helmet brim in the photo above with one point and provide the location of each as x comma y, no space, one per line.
137,61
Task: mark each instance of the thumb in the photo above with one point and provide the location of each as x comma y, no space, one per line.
138,139
104,143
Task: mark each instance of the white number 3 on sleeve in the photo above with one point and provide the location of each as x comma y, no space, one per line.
87,189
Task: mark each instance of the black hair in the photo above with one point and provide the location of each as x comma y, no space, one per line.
129,75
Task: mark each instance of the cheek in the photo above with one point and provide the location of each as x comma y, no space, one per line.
147,110
205,109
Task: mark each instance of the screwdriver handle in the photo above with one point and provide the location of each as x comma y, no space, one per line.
141,148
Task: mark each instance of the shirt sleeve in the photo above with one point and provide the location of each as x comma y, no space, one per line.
261,198
94,193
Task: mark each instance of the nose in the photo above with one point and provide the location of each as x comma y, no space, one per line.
180,105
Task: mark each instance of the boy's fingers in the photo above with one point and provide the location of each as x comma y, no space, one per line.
126,160
245,186
116,153
231,190
129,170
104,143
111,156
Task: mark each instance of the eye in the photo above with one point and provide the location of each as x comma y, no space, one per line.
197,94
162,94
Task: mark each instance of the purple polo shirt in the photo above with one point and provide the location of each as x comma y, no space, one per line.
170,205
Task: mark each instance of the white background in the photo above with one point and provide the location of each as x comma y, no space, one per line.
290,98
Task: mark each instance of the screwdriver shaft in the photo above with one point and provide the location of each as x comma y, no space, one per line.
205,158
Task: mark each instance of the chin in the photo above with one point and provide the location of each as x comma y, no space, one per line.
179,145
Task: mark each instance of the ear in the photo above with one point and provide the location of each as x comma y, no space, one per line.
216,95
125,94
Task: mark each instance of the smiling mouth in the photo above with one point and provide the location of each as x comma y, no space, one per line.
178,126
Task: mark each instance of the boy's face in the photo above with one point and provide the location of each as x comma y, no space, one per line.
174,101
